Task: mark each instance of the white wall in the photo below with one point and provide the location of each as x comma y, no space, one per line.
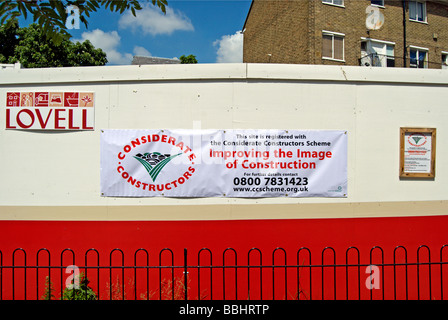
48,168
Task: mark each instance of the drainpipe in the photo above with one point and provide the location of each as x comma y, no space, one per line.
405,51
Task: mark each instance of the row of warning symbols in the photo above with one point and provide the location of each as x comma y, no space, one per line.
50,99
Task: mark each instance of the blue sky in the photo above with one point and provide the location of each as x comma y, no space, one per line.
208,29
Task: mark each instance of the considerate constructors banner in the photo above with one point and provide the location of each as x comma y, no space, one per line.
223,163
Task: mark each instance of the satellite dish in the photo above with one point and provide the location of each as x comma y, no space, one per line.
375,18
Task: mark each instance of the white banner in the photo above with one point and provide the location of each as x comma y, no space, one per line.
223,163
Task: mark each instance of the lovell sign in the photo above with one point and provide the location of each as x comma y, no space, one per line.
50,110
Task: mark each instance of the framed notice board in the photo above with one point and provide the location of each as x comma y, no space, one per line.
417,152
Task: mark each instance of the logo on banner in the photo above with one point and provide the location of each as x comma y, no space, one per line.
155,162
50,110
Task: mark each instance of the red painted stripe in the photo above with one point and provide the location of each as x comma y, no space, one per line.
242,235
239,234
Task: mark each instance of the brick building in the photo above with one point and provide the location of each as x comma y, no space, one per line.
334,32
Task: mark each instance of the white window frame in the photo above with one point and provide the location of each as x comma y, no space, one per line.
385,43
425,20
331,3
333,34
419,49
445,60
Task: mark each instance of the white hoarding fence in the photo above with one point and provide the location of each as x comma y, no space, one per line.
223,163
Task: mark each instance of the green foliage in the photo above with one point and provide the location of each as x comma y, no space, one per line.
188,59
51,15
48,294
30,47
84,292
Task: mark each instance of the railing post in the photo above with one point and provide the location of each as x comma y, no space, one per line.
185,273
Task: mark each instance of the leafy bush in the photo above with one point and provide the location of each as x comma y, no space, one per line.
84,292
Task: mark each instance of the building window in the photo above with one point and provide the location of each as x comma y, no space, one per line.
418,57
377,53
334,2
444,60
332,45
379,3
417,11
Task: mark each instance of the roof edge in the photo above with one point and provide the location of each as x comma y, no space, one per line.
247,16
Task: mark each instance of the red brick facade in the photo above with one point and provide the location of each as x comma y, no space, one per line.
291,31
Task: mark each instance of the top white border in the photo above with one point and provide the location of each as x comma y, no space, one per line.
225,71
